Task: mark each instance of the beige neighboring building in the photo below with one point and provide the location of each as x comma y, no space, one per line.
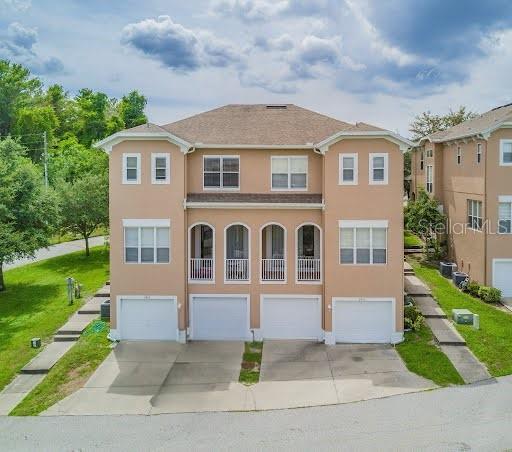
264,221
468,169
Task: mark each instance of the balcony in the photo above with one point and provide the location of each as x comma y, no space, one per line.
237,269
273,269
236,263
308,269
201,263
201,269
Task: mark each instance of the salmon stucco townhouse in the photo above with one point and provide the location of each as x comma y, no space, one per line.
468,170
257,221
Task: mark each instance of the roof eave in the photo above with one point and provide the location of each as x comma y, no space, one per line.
403,143
107,143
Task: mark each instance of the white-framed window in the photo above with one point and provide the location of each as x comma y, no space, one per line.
146,241
475,220
348,169
378,169
430,153
160,168
479,153
131,168
430,179
459,155
289,173
221,172
422,160
505,215
363,242
505,152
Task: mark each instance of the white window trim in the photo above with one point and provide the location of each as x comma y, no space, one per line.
504,199
125,180
341,181
430,153
167,157
479,153
459,156
422,160
358,224
285,253
235,281
221,188
431,182
289,157
321,254
474,202
386,168
502,152
163,223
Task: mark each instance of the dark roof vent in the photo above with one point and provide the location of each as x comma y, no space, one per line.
276,107
502,106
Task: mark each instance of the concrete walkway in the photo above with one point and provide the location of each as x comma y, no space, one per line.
56,250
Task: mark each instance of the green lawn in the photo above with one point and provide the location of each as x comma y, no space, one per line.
424,358
68,237
492,343
411,240
34,303
251,362
70,373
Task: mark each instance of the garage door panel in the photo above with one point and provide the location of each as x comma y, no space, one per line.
503,277
291,318
148,319
219,318
363,321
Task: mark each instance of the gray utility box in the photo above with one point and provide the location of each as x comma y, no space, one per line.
447,268
462,316
105,309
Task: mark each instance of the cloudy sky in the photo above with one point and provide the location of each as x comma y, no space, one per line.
378,61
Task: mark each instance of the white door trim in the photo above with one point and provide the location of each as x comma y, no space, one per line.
230,295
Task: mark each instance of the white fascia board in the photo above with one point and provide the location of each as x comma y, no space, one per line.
107,143
146,222
253,146
403,143
253,205
363,223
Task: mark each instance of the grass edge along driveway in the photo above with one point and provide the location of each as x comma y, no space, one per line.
34,303
492,343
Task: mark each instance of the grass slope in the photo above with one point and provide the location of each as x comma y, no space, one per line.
70,373
411,240
492,343
34,303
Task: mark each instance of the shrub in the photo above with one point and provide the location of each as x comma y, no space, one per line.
489,294
473,288
412,318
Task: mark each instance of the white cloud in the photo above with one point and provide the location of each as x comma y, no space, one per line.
16,5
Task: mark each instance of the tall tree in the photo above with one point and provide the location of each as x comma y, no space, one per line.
92,116
84,205
28,211
426,123
64,108
132,109
17,90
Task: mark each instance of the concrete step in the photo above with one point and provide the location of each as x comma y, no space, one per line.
45,360
444,332
66,337
104,292
93,306
429,307
412,251
107,283
415,287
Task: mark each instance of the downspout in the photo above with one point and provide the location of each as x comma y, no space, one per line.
185,231
325,302
486,239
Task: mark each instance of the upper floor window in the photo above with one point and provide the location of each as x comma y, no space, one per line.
378,169
430,178
422,160
289,173
221,172
475,214
430,153
479,153
160,168
131,168
506,152
459,155
363,242
505,215
348,169
146,244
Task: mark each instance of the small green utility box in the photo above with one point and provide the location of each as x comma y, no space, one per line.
462,316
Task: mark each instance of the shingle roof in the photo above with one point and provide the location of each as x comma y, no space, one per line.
256,197
146,128
474,126
261,125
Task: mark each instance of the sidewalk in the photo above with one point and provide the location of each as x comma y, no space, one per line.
56,250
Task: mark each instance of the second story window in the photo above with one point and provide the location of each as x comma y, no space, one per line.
221,172
146,245
363,243
430,153
479,153
430,178
459,155
378,169
289,173
422,160
506,152
348,169
475,214
160,168
131,168
505,217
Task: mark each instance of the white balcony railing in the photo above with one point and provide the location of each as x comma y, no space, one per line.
308,269
273,269
237,269
201,269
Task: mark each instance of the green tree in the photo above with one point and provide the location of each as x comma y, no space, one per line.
28,211
17,90
92,111
132,108
84,205
427,123
64,108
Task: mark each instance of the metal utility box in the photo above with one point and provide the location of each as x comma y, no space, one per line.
35,342
462,316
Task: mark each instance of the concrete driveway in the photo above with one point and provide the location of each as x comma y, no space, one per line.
165,377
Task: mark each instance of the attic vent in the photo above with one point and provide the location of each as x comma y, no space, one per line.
276,107
502,106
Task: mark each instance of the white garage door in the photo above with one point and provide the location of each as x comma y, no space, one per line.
291,317
149,318
367,321
222,317
503,276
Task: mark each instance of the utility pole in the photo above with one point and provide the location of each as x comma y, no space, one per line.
45,145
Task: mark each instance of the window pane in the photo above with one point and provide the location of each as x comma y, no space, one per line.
131,237
230,180
363,256
279,180
230,164
347,238
378,162
211,164
162,237
378,174
212,179
132,255
379,256
379,237
160,162
363,245
348,175
298,181
160,174
507,153
147,238
299,164
279,165
505,226
147,255
131,174
131,162
347,256
348,162
162,255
